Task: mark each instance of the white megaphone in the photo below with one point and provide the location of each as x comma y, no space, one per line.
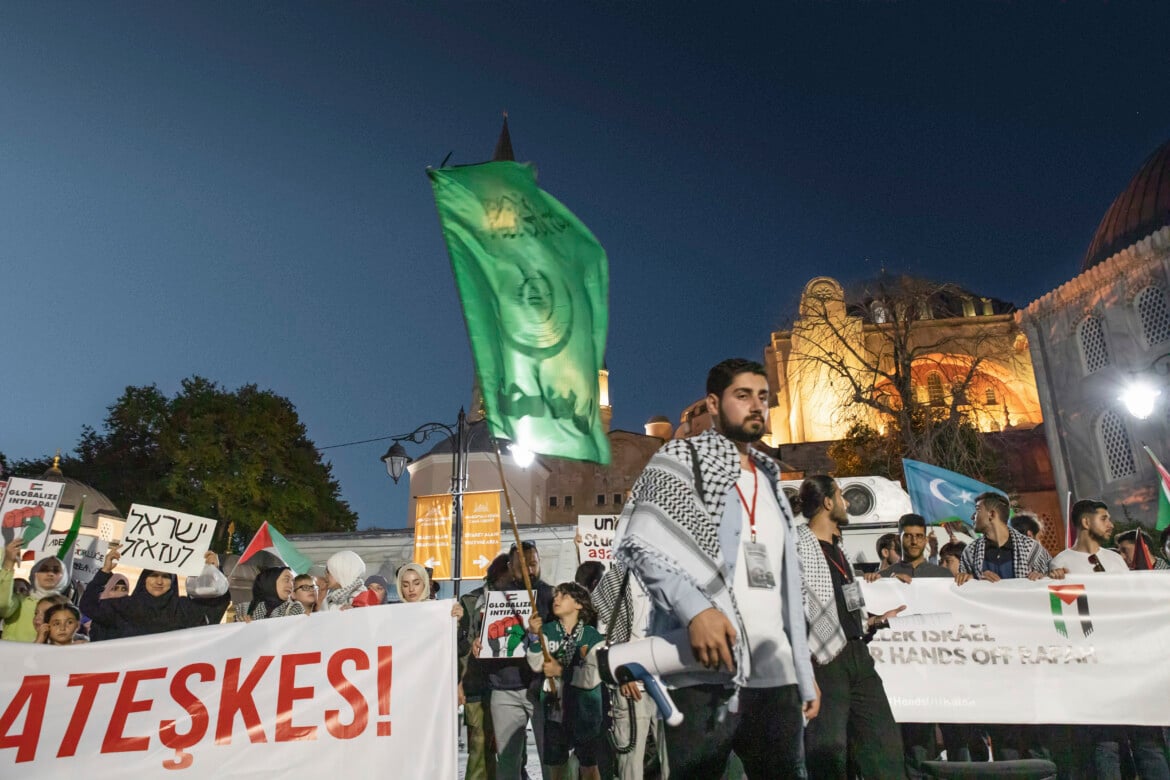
648,661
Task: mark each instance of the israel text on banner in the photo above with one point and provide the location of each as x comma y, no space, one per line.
432,534
505,624
534,283
596,533
339,694
166,540
1022,651
32,503
481,533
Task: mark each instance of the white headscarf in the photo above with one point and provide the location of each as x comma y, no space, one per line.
349,570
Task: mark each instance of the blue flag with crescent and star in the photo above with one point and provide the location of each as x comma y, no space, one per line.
942,496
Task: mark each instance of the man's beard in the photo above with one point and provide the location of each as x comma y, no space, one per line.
1101,539
740,433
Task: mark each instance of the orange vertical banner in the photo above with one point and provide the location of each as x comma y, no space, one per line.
432,534
481,533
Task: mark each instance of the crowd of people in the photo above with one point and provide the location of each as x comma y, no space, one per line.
781,684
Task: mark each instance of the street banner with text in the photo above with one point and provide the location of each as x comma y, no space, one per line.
432,534
596,533
1089,649
336,695
28,509
534,283
165,540
481,533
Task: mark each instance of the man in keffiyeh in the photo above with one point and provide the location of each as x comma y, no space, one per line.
710,536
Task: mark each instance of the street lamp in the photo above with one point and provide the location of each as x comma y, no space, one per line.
396,461
1141,396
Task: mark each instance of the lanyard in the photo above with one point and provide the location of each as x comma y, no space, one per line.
755,491
839,566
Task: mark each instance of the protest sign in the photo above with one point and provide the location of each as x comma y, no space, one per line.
505,624
26,503
341,694
165,540
1084,650
432,534
88,555
596,532
481,533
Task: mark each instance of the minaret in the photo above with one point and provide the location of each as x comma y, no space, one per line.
603,397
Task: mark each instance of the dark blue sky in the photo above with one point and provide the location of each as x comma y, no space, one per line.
239,192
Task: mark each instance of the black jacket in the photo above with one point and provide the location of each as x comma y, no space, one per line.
141,613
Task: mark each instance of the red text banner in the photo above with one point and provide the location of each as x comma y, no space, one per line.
338,694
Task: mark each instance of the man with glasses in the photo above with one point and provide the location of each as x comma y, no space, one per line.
1094,529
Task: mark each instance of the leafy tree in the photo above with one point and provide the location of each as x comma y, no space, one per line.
241,457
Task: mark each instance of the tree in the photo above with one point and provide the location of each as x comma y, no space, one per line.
240,457
910,371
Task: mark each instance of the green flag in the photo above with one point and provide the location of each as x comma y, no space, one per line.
534,284
74,529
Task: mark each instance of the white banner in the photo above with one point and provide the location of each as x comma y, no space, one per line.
26,498
356,693
165,540
596,532
1089,649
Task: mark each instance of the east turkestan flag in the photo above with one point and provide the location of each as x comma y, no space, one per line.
1163,492
940,495
268,539
534,283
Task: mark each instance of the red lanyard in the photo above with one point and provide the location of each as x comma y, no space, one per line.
755,491
839,566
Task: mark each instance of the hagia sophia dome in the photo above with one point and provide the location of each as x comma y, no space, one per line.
1142,209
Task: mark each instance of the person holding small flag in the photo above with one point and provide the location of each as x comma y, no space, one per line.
1135,546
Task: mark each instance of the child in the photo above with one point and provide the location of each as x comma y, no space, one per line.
573,714
60,626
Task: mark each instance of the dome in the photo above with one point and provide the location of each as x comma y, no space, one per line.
96,502
1142,208
658,418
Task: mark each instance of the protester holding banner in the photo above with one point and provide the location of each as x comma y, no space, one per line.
474,692
855,718
345,573
48,577
1002,552
572,705
272,592
155,605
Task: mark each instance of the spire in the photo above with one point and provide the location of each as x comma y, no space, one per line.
504,144
56,468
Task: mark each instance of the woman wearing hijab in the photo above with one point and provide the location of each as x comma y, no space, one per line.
272,595
48,578
414,586
118,587
155,605
345,575
378,585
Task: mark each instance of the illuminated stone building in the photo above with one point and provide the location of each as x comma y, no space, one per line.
1099,335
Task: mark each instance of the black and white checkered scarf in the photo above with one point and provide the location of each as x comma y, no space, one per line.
1028,556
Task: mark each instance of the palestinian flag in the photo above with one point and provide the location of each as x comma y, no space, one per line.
1142,559
268,539
1163,492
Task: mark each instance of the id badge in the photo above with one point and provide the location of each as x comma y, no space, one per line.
759,569
853,598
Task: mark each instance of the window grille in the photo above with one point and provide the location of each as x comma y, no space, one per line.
1154,314
1116,447
1094,350
934,390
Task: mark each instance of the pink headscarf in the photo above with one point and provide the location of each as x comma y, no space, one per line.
108,591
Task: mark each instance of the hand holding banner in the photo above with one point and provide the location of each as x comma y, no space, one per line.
165,540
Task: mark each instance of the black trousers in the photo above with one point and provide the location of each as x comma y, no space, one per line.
765,733
855,721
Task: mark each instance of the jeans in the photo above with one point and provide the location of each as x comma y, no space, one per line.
765,732
855,721
1145,742
511,711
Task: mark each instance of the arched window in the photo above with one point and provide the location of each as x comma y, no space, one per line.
934,389
1154,315
1116,449
1094,351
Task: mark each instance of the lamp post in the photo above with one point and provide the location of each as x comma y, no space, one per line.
396,461
1140,395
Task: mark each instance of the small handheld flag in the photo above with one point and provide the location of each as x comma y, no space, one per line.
268,539
939,495
74,529
1163,492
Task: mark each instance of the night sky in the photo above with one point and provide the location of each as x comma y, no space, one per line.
239,192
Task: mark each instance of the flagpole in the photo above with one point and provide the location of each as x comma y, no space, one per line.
520,550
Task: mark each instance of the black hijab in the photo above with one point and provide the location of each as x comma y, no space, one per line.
264,590
141,613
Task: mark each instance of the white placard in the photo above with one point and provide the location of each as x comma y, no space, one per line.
337,694
1085,650
165,540
505,624
89,553
596,532
22,496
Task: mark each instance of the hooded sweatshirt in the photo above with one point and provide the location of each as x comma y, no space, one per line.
141,613
18,613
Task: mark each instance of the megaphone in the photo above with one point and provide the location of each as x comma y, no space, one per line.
648,661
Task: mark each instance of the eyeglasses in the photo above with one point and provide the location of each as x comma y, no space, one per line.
1097,565
306,587
48,570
